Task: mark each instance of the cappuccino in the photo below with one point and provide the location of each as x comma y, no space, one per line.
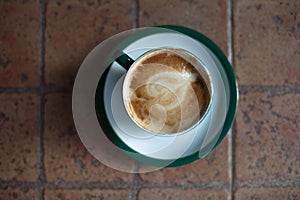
166,93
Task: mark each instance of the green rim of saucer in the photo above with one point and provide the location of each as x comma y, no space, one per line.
110,133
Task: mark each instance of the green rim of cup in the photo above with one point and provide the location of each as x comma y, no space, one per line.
110,133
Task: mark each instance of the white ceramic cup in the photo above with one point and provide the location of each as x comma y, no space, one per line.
164,81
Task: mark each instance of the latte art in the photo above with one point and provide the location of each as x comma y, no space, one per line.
166,93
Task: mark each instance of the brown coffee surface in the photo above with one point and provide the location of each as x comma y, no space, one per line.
167,94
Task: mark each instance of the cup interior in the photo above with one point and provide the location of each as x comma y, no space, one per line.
195,63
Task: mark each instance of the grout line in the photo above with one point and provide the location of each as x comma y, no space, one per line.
270,183
40,153
140,184
212,185
133,190
86,185
231,164
41,167
272,90
232,160
18,184
42,40
20,90
221,185
135,13
134,186
229,12
37,90
229,31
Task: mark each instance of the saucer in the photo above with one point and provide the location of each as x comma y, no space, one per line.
160,147
177,150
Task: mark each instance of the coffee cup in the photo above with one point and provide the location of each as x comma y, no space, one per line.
166,91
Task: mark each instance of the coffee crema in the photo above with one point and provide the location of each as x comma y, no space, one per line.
166,93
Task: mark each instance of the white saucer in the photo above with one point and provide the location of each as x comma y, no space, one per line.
165,147
107,143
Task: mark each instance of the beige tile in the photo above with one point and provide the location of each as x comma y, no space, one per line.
267,138
267,42
267,193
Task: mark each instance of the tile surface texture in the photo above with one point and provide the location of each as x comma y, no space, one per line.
268,193
86,194
19,44
207,17
65,156
212,168
267,139
193,194
42,45
267,42
18,144
16,193
73,29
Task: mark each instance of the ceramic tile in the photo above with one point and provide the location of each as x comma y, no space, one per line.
212,168
169,193
85,194
19,44
15,193
65,156
267,42
267,138
74,28
207,17
18,141
267,193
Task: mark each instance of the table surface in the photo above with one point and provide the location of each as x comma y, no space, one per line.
42,44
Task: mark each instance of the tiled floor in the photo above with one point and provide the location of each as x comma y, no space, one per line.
42,44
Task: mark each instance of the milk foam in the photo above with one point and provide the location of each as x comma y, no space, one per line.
164,96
